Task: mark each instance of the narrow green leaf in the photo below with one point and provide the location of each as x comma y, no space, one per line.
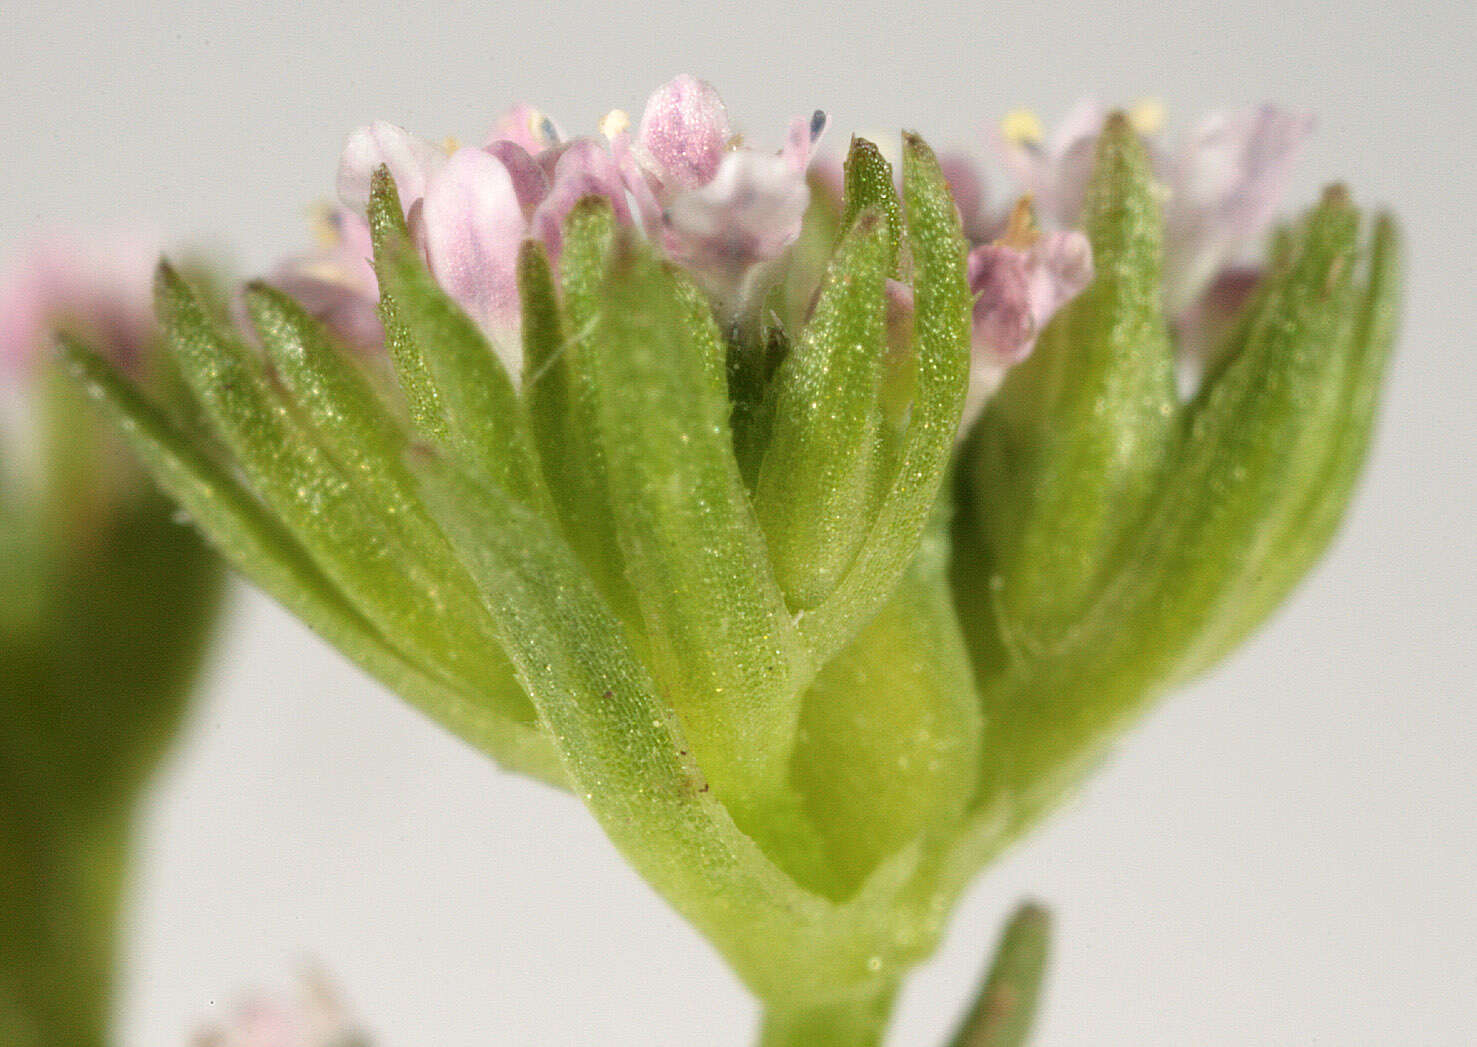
258,545
1005,1009
941,357
720,639
388,232
484,417
344,532
1242,454
1334,445
1072,446
561,405
869,186
814,496
630,760
369,445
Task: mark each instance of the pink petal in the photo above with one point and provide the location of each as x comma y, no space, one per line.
584,169
411,160
526,127
1227,181
473,228
684,133
529,180
337,283
1017,291
805,133
748,213
1004,323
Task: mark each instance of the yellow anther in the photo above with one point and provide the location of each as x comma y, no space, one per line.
1147,116
325,228
1022,127
615,123
1020,227
449,145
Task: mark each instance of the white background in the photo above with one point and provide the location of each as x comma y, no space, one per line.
1283,854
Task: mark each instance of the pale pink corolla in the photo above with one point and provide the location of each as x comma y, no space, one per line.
1222,183
720,208
470,209
317,1018
98,287
1019,282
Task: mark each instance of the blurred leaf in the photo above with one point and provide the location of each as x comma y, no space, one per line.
1005,1009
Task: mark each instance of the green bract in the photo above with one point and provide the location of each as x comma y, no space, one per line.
722,583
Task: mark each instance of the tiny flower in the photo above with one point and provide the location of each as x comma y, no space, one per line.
336,282
1055,173
469,211
317,1018
1222,184
721,208
1019,282
1226,181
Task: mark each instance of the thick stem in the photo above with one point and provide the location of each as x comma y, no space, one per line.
59,918
848,1023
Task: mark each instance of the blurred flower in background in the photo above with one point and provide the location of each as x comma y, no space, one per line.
316,1017
107,601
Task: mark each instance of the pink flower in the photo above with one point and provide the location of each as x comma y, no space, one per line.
316,1019
469,211
99,287
336,282
1223,183
720,208
1226,181
1019,282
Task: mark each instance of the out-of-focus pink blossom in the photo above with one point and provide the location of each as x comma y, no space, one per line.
1055,172
1226,181
99,287
336,282
1223,183
317,1018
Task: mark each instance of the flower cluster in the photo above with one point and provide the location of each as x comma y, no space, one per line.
1222,185
728,213
684,177
817,540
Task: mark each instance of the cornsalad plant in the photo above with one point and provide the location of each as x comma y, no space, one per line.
817,529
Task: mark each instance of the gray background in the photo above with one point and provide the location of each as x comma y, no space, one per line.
1284,854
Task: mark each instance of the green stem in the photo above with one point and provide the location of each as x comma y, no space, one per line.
859,1022
59,920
